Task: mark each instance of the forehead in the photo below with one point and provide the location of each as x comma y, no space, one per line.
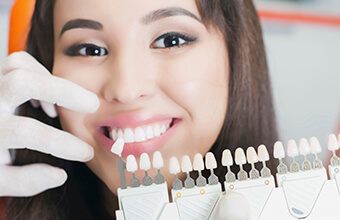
113,11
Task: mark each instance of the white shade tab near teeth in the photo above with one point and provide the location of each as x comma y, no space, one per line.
279,151
332,143
240,157
157,160
174,167
131,164
198,163
186,164
315,146
118,146
304,148
252,155
292,149
210,161
227,159
262,153
144,162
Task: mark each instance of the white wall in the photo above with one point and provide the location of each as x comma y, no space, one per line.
4,24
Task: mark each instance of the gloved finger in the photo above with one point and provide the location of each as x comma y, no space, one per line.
29,180
22,85
5,157
35,103
233,206
49,109
23,132
21,60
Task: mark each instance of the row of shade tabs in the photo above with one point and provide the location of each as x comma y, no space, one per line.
241,158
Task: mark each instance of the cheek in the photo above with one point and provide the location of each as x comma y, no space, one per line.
199,85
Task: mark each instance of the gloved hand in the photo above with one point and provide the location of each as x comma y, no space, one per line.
233,206
23,78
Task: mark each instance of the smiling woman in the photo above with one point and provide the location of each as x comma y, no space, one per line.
179,77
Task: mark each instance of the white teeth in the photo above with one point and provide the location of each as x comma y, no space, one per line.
315,146
139,135
128,135
262,153
304,148
120,134
131,164
157,160
279,151
113,134
149,132
163,129
186,164
156,130
332,142
210,161
198,162
144,162
292,149
227,159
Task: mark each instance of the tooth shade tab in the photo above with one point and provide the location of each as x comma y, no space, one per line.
210,161
186,164
174,166
332,143
198,162
315,146
144,162
157,160
262,153
240,157
227,159
131,164
279,151
304,148
251,155
118,146
292,149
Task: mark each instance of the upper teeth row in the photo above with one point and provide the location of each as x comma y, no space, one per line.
139,134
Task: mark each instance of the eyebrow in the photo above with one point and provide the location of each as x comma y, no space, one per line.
167,12
81,23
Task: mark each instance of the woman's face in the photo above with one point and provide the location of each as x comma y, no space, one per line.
160,74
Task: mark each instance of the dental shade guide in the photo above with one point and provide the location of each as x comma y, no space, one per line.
117,148
304,193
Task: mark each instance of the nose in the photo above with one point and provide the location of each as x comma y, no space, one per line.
129,81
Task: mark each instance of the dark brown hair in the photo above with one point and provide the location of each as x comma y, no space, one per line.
249,121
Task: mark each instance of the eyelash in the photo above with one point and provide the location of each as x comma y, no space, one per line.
76,50
174,37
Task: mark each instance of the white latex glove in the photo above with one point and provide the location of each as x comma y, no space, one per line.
22,78
233,206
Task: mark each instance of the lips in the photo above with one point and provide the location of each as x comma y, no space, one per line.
141,132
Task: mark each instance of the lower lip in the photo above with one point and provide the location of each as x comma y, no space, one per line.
137,148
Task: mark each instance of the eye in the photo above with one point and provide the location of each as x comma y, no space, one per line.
86,50
172,39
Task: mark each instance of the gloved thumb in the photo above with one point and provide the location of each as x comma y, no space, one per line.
233,206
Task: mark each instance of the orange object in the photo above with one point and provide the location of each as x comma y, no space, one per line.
21,14
300,17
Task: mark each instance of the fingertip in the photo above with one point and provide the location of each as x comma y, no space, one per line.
94,103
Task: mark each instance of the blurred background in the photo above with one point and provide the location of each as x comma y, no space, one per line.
302,39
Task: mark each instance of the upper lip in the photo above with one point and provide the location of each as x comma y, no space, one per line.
132,120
